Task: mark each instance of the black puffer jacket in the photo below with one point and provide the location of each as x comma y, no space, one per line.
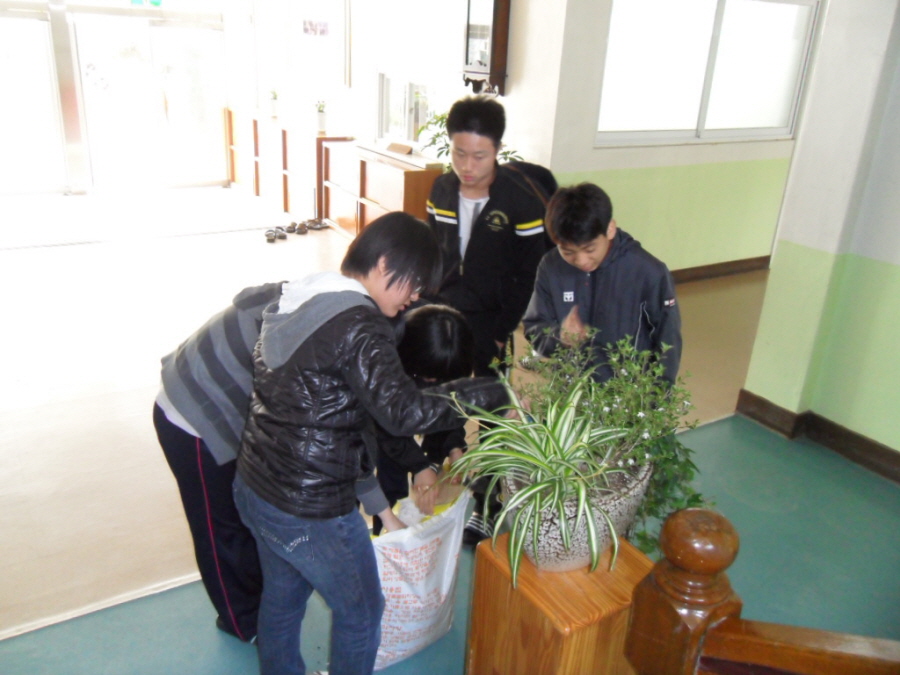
321,373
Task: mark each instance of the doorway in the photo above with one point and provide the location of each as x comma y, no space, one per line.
154,101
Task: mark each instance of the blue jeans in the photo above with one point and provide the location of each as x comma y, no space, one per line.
333,556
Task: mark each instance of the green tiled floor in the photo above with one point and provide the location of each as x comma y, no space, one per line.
820,536
820,546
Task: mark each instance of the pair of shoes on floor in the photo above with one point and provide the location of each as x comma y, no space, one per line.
316,224
275,233
478,529
299,228
220,624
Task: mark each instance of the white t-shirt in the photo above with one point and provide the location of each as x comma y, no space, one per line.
469,210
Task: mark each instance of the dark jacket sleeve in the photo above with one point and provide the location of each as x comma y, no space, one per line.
370,495
373,370
403,450
541,323
437,446
666,319
526,253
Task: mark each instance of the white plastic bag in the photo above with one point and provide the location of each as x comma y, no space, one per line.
418,567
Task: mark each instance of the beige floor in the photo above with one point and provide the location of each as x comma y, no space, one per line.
89,512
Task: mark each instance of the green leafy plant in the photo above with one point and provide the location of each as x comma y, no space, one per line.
435,130
554,456
640,401
575,433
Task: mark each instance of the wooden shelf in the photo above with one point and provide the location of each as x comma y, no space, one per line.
358,184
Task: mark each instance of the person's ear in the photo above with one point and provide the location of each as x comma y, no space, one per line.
611,230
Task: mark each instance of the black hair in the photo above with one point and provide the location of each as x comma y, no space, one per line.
482,115
578,214
437,344
410,250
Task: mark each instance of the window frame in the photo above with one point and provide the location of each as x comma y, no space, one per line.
699,134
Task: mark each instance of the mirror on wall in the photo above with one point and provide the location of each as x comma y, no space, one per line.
487,38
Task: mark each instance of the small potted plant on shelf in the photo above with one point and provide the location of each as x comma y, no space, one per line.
320,116
584,462
273,103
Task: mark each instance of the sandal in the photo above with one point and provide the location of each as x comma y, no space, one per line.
270,236
280,233
291,228
302,228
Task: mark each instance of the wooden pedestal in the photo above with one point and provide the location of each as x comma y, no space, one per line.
568,623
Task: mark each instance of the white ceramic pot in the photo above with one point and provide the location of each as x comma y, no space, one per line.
621,506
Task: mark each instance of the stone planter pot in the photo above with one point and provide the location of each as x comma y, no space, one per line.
621,506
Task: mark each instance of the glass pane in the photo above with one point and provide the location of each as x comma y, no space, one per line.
478,46
154,102
395,98
124,111
655,64
32,159
189,63
758,66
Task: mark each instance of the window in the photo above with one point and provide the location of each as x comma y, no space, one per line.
403,109
684,70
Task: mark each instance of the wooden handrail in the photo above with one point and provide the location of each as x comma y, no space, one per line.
686,617
802,650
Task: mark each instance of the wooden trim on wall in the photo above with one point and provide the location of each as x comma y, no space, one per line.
857,448
724,269
776,418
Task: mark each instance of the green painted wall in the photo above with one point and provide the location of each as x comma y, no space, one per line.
699,214
858,370
827,340
795,302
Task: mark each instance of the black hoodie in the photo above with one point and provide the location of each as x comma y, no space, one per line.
631,294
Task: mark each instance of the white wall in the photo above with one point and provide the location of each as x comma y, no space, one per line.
877,231
832,145
578,105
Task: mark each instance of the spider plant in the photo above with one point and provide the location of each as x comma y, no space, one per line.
548,458
577,431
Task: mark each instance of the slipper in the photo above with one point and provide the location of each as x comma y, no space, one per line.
280,233
291,228
270,236
316,224
302,228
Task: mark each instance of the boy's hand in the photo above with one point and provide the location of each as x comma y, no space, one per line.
572,331
390,521
425,490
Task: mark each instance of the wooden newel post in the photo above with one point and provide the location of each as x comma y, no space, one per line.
686,593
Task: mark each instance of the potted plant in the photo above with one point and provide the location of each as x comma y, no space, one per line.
584,462
273,103
320,116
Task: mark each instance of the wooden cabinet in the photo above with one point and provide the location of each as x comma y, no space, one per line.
563,623
358,184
